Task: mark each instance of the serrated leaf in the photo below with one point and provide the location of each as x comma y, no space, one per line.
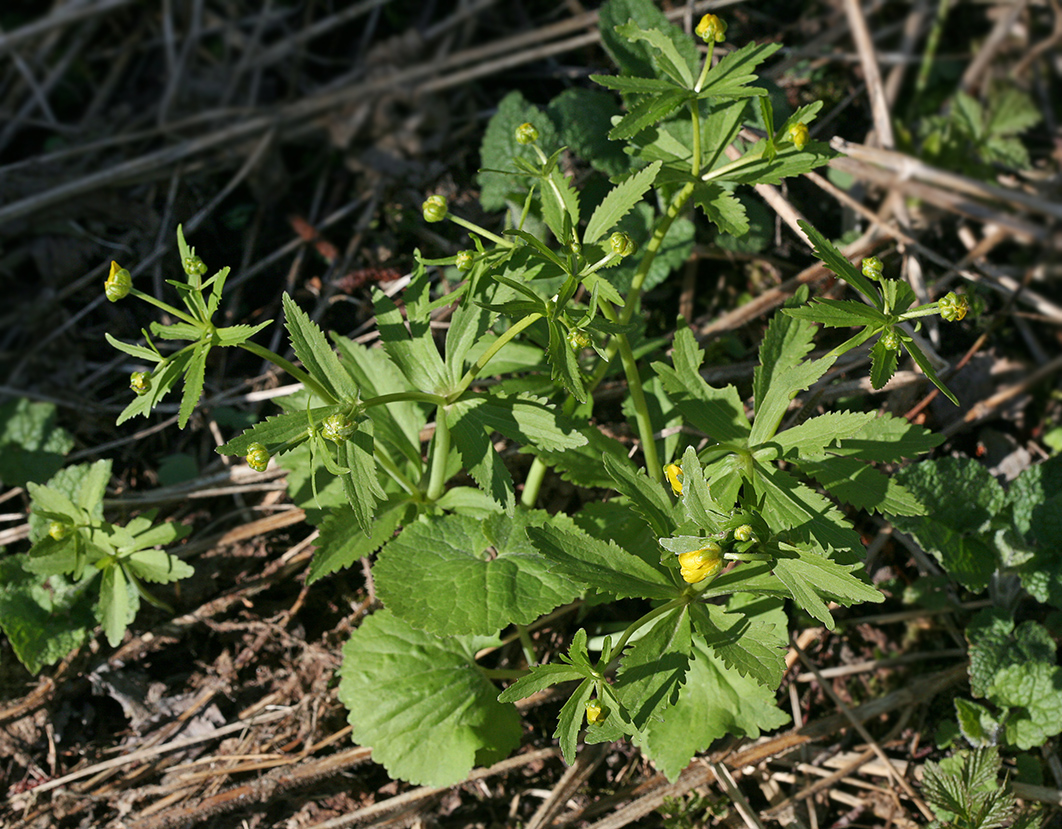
730,78
714,702
750,647
1033,693
811,578
619,201
422,703
721,208
838,313
341,541
455,574
413,350
958,492
629,84
996,643
584,117
833,259
540,678
43,618
638,57
654,667
471,439
648,111
139,351
719,413
560,206
883,364
886,439
360,484
601,564
317,356
854,482
275,431
646,495
667,57
526,419
813,436
786,163
236,334
927,368
193,384
161,382
563,363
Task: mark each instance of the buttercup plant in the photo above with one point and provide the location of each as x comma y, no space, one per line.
713,527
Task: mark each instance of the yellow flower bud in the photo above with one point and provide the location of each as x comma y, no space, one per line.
744,533
257,457
872,267
798,134
118,283
953,307
673,472
698,565
711,28
595,712
622,244
337,428
58,530
465,260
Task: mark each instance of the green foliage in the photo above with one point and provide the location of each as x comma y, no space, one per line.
547,306
32,446
965,793
46,606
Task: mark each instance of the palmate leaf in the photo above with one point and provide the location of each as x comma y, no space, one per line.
422,703
618,202
455,574
752,648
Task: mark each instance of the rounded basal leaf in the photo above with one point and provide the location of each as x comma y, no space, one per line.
422,703
455,574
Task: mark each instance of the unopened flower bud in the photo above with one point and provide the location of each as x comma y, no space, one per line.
673,473
140,382
58,530
578,339
698,565
872,267
194,266
595,712
118,283
257,457
465,260
622,244
337,428
798,134
953,307
711,28
526,134
744,533
434,208
890,340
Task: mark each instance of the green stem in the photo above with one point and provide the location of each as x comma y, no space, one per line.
399,396
736,164
529,647
617,650
439,456
482,231
296,372
486,356
533,483
165,306
695,162
504,673
391,468
705,68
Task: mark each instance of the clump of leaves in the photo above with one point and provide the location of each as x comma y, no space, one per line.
965,793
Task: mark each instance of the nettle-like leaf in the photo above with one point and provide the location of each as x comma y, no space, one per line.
32,445
422,703
996,644
454,574
584,117
1033,693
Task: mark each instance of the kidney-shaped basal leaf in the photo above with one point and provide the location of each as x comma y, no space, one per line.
422,703
455,574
